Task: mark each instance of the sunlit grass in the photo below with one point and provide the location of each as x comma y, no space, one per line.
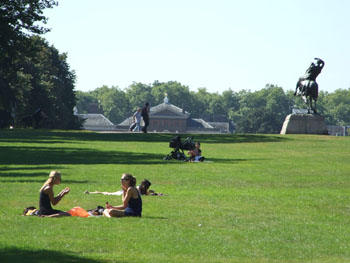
258,198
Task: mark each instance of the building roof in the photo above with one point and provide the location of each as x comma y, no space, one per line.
126,122
95,121
200,123
168,110
220,125
164,110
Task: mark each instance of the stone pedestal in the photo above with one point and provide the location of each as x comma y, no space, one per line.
304,124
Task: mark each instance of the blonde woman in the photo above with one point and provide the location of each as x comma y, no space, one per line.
131,198
47,196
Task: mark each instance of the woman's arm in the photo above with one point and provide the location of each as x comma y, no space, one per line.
191,153
55,200
126,197
105,193
196,152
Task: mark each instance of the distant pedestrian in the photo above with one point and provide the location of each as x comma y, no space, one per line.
145,116
137,120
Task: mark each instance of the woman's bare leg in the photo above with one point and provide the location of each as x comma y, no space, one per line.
113,213
57,215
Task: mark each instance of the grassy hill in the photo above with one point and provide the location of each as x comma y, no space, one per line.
258,198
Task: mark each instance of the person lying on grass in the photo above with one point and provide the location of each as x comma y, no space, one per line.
143,189
131,198
47,196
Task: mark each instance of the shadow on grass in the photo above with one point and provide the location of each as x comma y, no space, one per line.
48,168
42,181
14,172
26,155
34,256
14,175
48,136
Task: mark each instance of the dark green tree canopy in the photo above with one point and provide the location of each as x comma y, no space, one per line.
21,17
32,74
261,111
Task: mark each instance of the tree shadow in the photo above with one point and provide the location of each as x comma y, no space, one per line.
26,155
13,254
14,175
48,136
42,181
58,156
49,168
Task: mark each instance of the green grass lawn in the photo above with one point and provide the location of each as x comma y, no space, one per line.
259,198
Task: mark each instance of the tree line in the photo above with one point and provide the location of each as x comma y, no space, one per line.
36,83
37,87
261,111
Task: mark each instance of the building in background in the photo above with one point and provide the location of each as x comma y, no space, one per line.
94,121
167,117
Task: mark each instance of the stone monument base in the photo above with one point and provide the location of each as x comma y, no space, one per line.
304,124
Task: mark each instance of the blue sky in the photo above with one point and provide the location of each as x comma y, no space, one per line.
217,44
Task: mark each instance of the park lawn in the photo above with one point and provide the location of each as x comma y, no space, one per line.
257,198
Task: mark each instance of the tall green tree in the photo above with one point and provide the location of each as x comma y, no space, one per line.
87,102
262,111
114,103
138,94
50,85
338,107
200,101
177,93
18,20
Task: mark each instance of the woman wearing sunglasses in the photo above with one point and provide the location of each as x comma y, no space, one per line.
131,198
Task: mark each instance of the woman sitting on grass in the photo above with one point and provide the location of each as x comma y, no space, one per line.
47,196
196,154
131,198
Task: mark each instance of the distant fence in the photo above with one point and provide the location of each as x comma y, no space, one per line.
338,130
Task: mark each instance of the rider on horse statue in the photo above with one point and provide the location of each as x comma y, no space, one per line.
308,88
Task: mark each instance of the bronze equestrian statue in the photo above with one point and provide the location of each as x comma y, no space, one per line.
307,86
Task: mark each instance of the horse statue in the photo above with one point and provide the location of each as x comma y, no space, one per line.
307,86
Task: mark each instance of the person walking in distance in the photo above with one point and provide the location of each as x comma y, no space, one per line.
136,121
145,116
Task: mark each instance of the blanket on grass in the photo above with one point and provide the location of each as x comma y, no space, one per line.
75,211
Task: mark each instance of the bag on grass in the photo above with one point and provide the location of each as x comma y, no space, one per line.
78,211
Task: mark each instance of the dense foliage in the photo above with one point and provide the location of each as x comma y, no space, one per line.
34,77
261,111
